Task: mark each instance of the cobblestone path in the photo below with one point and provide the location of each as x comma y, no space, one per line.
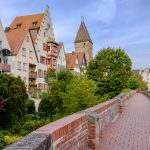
131,131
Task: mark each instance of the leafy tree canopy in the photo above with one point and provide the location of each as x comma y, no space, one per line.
111,69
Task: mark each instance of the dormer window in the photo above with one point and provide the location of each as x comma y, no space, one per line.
18,26
34,24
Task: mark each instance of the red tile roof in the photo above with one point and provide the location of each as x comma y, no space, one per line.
16,36
70,60
15,39
26,21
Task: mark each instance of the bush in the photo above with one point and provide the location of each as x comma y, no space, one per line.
30,105
30,126
2,143
67,94
79,95
12,96
11,139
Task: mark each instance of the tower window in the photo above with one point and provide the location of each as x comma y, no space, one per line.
83,44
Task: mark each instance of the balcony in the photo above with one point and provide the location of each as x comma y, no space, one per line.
33,75
4,68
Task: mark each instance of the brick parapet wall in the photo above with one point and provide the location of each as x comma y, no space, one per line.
80,131
146,93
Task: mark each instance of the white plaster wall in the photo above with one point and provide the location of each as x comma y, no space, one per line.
41,39
24,59
3,38
146,77
77,68
61,59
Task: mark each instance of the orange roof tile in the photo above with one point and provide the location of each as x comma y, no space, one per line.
16,36
70,60
26,21
15,39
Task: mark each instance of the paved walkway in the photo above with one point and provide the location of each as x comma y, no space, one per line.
131,131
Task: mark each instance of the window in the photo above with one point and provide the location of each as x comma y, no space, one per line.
44,34
0,45
42,60
54,62
27,38
5,60
30,54
24,67
34,24
40,73
23,52
19,65
33,32
18,26
84,45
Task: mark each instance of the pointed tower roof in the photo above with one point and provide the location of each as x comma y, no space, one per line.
83,34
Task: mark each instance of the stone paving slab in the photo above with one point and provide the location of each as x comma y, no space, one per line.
131,131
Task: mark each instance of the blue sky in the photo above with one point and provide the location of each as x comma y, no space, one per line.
115,23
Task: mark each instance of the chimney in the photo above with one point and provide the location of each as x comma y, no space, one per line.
73,52
7,29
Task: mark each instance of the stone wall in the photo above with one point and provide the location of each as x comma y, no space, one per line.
80,131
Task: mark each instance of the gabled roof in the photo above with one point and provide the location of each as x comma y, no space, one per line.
26,21
16,36
15,39
70,60
80,57
83,34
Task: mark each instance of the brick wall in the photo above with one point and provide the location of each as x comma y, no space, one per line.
80,131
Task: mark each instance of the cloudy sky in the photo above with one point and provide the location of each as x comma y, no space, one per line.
115,23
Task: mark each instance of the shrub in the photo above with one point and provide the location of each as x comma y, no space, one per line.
79,95
11,139
13,94
1,140
30,105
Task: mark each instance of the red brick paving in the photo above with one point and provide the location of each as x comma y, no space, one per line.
131,131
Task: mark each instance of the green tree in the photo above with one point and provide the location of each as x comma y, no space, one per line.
133,83
79,95
138,78
13,95
67,94
111,69
52,102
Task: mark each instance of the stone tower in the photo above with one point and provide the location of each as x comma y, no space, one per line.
83,42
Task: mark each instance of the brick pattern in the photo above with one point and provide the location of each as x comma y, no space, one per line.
82,130
131,130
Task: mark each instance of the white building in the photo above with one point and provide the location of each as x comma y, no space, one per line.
146,76
24,57
61,58
5,52
40,28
